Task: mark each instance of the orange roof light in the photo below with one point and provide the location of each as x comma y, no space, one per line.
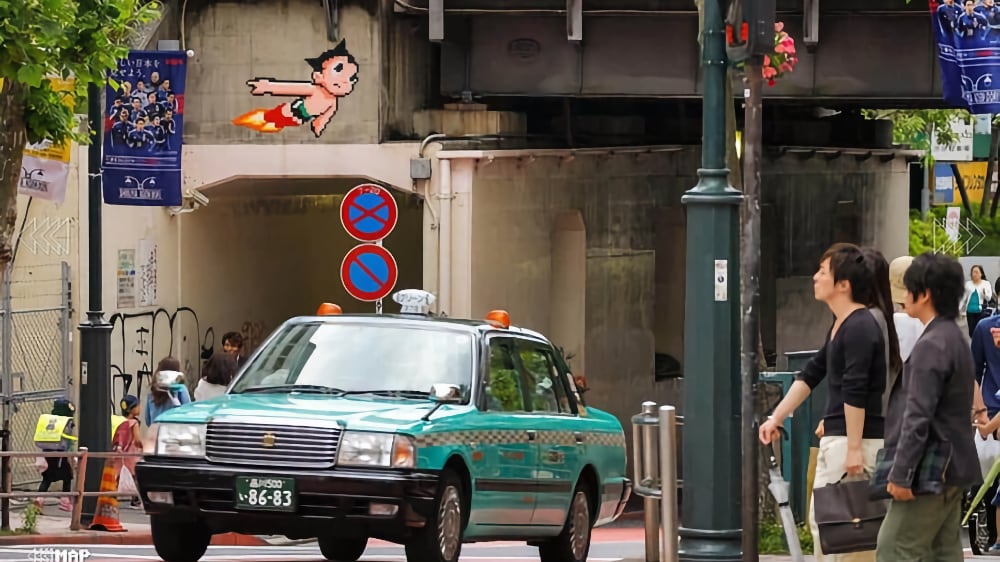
498,318
328,309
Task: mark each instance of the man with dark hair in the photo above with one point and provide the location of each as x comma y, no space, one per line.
930,425
232,343
853,361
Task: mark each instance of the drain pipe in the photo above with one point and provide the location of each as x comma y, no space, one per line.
444,238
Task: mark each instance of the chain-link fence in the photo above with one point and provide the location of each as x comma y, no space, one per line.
35,353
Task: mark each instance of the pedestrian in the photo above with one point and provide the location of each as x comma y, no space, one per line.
218,373
977,296
908,328
232,343
168,390
985,348
853,361
928,430
54,433
127,439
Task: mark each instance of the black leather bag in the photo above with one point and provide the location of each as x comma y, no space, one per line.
848,520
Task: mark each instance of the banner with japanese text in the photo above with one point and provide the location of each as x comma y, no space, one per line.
968,41
144,117
45,164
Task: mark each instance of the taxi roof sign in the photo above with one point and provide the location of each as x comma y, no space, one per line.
414,301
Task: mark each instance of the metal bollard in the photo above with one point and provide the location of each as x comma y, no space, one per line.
644,466
668,476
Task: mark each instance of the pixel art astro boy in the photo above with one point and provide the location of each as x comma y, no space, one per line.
334,74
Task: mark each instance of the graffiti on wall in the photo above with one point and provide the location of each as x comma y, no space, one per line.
146,337
334,74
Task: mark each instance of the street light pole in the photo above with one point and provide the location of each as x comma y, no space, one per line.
95,332
711,505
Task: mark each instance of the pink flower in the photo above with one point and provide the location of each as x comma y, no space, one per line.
778,26
770,72
767,60
785,67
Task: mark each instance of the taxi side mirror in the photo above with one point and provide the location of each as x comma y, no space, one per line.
442,394
446,393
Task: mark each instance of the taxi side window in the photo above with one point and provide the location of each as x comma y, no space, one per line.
503,383
544,386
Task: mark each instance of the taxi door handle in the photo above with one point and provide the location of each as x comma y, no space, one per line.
578,436
532,434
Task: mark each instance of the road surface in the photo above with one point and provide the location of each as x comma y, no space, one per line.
603,551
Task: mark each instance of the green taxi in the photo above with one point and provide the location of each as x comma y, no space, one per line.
425,431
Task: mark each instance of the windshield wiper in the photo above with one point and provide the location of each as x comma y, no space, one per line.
394,393
303,388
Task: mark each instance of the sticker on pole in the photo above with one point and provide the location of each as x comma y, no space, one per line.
368,272
368,212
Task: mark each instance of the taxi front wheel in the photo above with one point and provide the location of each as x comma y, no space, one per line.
573,543
440,539
342,549
179,541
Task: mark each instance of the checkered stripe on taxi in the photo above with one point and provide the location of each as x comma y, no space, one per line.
503,437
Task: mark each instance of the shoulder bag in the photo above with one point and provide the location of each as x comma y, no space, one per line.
848,520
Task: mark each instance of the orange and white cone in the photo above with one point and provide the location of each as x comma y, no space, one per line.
106,514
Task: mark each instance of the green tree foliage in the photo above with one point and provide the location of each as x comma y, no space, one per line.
913,127
40,39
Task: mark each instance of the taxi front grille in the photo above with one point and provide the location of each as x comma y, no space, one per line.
273,445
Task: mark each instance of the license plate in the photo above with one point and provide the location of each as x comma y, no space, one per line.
265,493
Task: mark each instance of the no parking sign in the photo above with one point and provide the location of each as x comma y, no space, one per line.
368,272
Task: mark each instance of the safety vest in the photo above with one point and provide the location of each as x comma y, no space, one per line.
52,433
115,422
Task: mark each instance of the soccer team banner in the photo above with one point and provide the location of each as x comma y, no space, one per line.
144,117
968,39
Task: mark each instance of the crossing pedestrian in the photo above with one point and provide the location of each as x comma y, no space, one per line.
928,430
853,361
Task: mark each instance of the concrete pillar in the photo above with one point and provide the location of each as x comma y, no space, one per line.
568,289
462,173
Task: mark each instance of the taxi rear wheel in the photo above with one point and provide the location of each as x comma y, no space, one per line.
342,549
440,540
179,541
573,543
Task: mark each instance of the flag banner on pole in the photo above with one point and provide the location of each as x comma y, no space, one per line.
144,117
968,41
45,164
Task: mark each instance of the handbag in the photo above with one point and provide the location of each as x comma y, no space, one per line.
126,484
847,519
987,450
930,474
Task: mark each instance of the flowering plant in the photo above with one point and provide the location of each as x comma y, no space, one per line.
783,59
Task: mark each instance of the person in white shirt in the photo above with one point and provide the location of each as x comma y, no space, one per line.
978,292
908,329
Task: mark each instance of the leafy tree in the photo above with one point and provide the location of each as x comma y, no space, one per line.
914,126
42,39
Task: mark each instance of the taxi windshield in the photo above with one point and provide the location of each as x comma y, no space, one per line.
356,358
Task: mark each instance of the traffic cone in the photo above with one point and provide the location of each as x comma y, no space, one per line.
106,514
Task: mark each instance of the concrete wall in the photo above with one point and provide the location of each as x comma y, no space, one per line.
813,203
238,41
518,207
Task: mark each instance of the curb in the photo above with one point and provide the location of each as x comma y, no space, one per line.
141,538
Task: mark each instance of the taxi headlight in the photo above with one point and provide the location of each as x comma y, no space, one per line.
181,439
362,448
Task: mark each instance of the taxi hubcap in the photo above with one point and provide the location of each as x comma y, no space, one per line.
449,523
579,526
